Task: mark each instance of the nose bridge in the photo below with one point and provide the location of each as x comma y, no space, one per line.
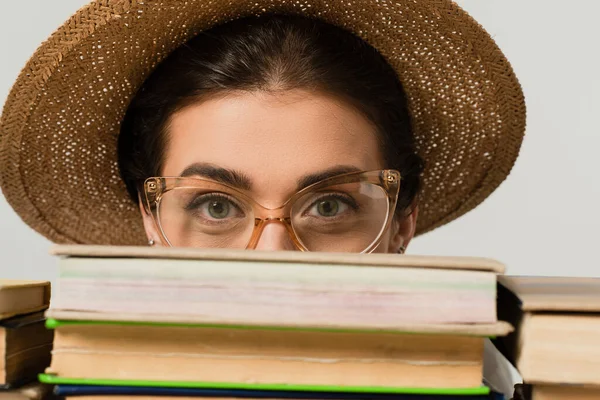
275,234
268,214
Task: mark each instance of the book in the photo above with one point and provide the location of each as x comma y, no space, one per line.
291,289
272,321
240,357
91,392
31,391
565,392
557,331
23,297
278,396
25,346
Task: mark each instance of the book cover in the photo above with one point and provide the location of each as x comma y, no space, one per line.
155,392
557,326
19,297
355,390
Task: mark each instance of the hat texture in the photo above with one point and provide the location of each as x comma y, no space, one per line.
61,120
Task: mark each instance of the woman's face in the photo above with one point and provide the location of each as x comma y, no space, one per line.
273,141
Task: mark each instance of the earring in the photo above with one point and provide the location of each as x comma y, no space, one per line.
151,242
401,250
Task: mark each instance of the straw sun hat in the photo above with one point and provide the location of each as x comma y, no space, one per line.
59,126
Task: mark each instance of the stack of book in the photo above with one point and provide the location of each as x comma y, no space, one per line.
25,344
556,346
240,324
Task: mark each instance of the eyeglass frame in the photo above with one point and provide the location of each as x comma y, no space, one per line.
387,179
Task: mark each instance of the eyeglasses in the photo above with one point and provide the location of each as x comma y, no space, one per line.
345,213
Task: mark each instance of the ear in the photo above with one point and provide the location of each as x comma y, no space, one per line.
403,231
149,225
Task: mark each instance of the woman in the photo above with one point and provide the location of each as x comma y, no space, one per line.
262,116
266,125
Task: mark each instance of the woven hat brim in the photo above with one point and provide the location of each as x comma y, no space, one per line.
60,123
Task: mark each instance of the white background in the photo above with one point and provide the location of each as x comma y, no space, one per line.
542,221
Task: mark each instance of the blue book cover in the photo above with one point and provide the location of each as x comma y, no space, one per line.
81,390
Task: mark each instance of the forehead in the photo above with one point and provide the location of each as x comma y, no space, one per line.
273,138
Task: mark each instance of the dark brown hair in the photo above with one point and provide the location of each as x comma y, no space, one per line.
270,53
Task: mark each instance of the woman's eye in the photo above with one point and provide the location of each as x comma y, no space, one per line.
328,207
218,209
215,207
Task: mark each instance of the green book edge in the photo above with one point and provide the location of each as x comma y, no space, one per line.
52,323
56,380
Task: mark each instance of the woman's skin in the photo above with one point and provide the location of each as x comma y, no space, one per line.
275,141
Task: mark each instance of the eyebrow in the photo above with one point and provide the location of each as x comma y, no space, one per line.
241,181
226,176
310,179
